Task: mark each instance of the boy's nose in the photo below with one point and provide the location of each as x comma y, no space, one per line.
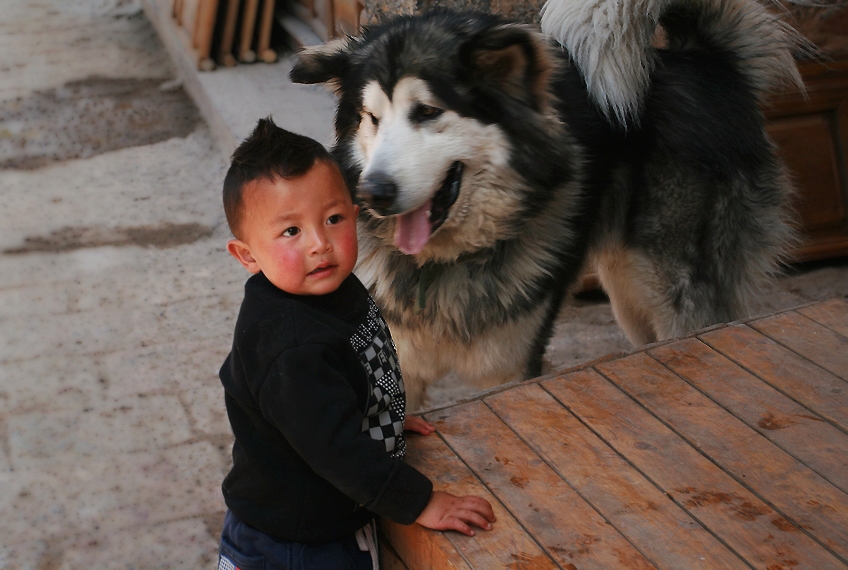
320,243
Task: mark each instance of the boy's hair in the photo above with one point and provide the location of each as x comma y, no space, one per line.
269,152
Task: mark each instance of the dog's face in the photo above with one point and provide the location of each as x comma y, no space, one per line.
425,165
426,106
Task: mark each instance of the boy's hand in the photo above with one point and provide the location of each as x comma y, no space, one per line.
418,425
449,512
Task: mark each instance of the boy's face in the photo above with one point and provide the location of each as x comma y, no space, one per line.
301,233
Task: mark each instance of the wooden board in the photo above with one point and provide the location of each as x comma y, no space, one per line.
775,416
566,526
512,545
798,378
728,449
809,339
800,494
831,314
738,517
608,481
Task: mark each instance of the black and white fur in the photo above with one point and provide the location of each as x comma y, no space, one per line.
496,165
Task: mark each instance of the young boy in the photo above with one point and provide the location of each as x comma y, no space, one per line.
313,389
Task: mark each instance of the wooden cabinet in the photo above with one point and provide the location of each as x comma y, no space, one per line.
811,133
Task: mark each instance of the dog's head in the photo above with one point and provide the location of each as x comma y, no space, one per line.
444,122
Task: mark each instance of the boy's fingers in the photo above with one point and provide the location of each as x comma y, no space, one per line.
459,526
480,505
475,518
419,425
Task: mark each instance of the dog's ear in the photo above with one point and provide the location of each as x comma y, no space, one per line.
514,58
325,63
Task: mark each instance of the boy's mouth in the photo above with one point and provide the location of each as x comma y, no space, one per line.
321,269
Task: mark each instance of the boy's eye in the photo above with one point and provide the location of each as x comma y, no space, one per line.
334,219
291,231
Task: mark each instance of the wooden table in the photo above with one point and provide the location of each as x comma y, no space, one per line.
727,449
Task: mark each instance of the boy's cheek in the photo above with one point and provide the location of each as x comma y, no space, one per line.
346,240
352,246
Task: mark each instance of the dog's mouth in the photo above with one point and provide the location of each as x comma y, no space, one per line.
446,196
413,229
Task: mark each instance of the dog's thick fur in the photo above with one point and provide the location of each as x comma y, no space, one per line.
650,166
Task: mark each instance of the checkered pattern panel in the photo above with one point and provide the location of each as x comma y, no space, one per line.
387,402
225,563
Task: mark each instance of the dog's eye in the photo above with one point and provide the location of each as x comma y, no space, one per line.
374,120
421,113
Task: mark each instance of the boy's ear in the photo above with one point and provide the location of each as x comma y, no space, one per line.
241,251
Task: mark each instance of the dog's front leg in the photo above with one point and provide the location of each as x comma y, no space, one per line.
422,362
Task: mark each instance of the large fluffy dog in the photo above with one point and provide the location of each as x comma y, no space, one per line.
496,166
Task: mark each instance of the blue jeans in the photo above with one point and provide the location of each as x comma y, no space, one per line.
246,548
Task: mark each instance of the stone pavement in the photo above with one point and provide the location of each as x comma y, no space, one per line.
117,299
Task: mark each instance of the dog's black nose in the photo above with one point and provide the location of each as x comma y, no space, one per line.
378,190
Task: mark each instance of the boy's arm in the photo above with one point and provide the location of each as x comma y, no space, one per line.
308,398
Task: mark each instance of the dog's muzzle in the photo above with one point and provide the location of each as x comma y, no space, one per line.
378,191
413,227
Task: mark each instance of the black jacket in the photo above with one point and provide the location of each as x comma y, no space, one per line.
298,395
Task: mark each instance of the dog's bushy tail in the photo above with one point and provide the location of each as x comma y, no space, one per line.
610,41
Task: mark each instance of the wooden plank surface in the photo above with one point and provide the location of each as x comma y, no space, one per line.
420,549
507,546
782,420
793,375
630,501
809,339
740,519
724,450
832,314
567,527
800,494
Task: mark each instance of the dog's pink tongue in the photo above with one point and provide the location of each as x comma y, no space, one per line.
413,230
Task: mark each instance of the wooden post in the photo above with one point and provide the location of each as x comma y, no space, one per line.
245,53
263,48
178,11
203,30
225,53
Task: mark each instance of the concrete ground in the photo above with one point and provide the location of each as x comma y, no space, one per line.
117,299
